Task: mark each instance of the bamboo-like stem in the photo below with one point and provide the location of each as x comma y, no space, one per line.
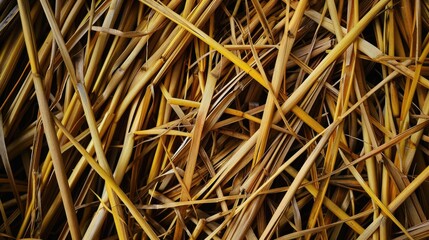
48,123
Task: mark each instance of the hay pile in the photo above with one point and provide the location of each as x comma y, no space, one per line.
214,119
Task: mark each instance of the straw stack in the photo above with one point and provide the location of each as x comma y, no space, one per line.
210,119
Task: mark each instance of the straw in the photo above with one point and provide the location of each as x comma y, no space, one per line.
247,119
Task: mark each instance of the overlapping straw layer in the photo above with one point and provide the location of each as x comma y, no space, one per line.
214,119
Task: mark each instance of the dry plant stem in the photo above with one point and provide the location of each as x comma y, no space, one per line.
15,46
343,99
400,198
373,196
195,143
369,144
73,179
241,223
278,171
109,20
415,138
11,179
328,203
263,20
336,52
117,211
391,109
233,58
20,100
381,148
269,230
370,50
125,156
152,25
319,229
282,58
48,123
111,182
202,153
294,98
334,17
161,58
349,67
375,53
76,173
43,53
114,202
204,37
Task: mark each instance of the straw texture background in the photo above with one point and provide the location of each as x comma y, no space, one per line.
214,119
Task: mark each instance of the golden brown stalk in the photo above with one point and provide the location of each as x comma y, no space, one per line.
48,122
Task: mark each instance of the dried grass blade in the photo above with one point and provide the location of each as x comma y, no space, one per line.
110,182
117,210
348,39
205,38
374,197
319,229
282,58
297,181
